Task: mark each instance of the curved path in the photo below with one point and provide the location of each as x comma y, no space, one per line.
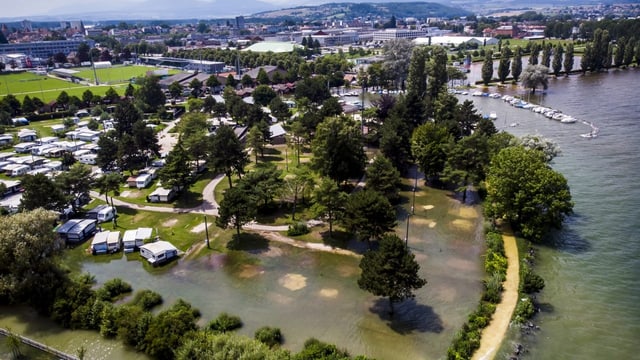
210,207
493,334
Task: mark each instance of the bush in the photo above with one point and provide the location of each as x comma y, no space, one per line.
524,310
495,263
298,229
113,289
269,336
147,299
530,281
493,288
49,116
495,243
225,323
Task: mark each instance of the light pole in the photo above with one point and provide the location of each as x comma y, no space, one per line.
406,235
206,227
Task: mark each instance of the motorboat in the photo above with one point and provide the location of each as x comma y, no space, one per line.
568,119
590,135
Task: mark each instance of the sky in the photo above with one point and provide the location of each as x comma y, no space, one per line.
146,9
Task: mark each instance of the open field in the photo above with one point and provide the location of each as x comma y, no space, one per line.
48,88
116,74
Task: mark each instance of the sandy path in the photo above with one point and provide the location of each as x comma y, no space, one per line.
493,334
277,237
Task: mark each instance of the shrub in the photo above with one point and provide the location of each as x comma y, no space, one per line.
225,323
524,310
495,263
530,281
493,289
112,289
147,299
269,336
298,229
495,243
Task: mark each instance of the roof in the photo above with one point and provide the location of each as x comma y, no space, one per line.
277,130
158,247
100,238
75,225
161,192
144,233
254,72
113,237
129,235
273,46
454,40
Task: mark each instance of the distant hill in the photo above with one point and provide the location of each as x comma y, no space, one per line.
365,10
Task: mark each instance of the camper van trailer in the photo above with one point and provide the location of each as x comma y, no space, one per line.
99,243
134,239
143,181
158,252
19,170
102,213
77,230
88,159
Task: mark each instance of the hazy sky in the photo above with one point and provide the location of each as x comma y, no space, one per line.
148,8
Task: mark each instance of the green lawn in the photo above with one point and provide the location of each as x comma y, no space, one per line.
116,74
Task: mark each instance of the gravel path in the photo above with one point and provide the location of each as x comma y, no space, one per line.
493,334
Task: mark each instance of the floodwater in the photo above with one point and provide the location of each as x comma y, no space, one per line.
591,267
311,294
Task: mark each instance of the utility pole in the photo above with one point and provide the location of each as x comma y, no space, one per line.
206,227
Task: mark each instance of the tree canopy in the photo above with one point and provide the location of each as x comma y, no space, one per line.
337,149
525,191
390,271
369,215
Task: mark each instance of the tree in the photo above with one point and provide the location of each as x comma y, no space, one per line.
125,116
557,60
391,271
516,65
246,81
263,184
428,146
111,96
236,208
63,99
176,171
337,149
109,183
535,52
175,89
628,53
503,67
149,96
296,183
87,96
41,192
226,153
82,54
466,162
546,55
620,51
75,183
487,67
27,105
313,88
212,82
395,142
167,330
107,159
196,87
329,202
368,215
535,75
384,178
279,109
263,78
208,104
263,94
331,107
568,59
525,191
231,81
28,258
256,142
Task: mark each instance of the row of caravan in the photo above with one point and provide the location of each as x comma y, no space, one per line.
156,252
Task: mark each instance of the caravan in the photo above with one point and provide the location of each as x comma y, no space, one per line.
158,252
134,239
88,159
143,181
102,213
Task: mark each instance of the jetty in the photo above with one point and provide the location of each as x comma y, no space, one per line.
38,345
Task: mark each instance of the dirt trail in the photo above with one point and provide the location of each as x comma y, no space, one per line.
493,334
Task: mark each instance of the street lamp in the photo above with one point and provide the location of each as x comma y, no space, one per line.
406,235
206,227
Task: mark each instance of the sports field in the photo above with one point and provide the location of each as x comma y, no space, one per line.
116,74
48,88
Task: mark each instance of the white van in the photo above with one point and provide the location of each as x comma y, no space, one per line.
20,170
106,214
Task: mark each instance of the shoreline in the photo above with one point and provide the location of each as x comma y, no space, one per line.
493,335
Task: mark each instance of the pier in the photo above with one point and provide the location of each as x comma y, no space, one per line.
40,346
